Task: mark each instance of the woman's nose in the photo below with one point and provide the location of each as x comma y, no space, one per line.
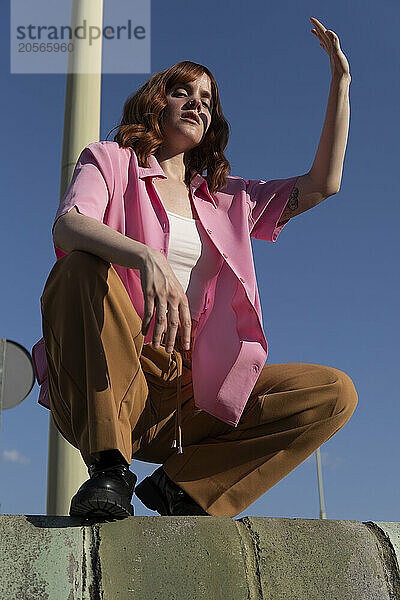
194,103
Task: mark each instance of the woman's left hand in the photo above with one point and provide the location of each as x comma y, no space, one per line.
330,43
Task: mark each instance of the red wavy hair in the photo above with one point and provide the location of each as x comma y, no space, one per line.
141,124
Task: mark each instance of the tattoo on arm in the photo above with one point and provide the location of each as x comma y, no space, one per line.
293,202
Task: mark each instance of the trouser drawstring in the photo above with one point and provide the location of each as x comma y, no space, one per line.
177,443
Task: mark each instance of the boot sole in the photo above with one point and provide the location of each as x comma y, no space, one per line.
100,503
150,495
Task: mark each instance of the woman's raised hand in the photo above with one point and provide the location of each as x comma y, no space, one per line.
162,291
329,41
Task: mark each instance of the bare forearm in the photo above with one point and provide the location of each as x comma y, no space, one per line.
327,168
75,231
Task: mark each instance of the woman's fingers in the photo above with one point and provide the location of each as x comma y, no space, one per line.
173,321
167,321
172,328
321,41
321,31
186,325
160,323
147,313
317,24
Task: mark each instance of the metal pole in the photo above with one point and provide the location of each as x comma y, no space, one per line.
66,470
2,373
322,513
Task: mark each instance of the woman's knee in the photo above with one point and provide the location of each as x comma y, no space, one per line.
342,394
80,268
81,260
75,274
347,396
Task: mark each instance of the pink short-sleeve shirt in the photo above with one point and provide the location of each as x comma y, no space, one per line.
229,347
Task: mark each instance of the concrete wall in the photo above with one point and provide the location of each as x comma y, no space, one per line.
193,558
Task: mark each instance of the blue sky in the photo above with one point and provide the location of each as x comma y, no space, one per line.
328,286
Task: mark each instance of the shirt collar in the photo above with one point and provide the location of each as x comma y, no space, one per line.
154,170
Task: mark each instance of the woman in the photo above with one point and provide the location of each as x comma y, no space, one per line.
151,316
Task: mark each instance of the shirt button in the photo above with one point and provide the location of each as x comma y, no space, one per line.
225,255
256,368
209,230
241,279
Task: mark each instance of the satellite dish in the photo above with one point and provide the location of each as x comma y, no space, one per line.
16,373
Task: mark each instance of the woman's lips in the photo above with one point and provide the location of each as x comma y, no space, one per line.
190,120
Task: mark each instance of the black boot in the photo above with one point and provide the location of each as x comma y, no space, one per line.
158,492
109,490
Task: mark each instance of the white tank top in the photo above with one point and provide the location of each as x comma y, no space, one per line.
193,265
184,246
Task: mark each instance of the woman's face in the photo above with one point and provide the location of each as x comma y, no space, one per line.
182,134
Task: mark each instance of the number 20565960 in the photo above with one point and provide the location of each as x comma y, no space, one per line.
45,47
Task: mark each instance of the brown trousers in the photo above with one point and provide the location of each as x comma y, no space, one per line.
107,390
